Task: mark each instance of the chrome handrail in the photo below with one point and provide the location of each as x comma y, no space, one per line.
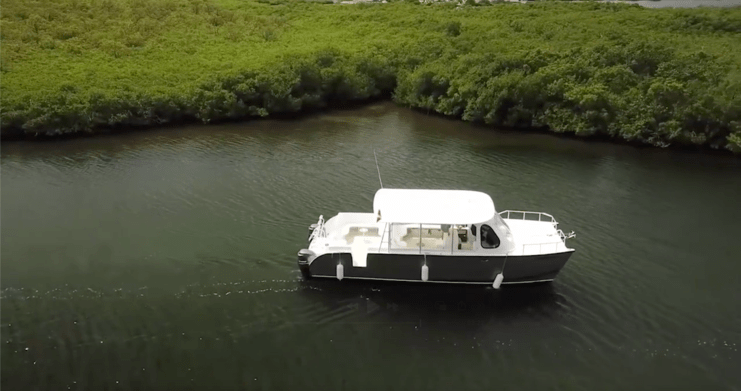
565,236
319,231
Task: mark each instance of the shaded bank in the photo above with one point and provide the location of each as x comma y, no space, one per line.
656,77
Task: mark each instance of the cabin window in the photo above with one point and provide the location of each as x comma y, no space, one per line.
473,230
489,238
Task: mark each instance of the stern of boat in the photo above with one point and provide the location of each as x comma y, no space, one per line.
305,257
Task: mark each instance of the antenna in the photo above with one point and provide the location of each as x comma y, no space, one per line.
379,170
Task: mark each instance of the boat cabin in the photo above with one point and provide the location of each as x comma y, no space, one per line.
412,221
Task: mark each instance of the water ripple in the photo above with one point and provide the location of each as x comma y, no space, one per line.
147,256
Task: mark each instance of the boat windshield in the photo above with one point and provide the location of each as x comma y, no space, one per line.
505,234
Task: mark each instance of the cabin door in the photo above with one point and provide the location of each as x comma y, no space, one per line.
462,240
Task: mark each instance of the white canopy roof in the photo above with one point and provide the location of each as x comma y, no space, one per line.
432,206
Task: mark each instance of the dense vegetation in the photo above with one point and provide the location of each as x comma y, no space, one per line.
658,76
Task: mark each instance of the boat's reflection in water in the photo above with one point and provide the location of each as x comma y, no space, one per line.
374,301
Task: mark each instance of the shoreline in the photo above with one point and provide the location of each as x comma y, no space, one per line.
303,115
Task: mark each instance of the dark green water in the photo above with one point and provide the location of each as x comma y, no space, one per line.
167,260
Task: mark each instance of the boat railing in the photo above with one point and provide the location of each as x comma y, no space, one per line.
565,236
507,214
547,247
319,231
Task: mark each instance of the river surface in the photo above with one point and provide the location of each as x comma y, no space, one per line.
166,259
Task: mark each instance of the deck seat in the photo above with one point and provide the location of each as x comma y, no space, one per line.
354,231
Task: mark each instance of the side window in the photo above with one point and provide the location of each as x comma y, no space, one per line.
489,238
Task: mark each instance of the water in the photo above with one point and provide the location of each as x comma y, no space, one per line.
166,259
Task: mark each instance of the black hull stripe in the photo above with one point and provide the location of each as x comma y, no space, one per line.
445,269
439,282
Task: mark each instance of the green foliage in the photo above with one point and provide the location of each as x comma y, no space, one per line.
453,28
711,22
656,76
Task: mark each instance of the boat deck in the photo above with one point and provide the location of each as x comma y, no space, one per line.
535,237
345,229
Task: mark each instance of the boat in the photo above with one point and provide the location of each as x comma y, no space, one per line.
436,236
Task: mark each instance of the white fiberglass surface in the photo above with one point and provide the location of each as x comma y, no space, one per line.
432,206
535,237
